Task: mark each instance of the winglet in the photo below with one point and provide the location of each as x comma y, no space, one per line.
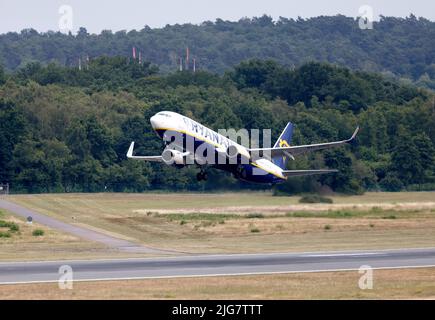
353,135
130,150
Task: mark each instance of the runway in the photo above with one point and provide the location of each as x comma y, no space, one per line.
212,265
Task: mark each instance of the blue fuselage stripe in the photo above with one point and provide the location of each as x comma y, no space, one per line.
251,173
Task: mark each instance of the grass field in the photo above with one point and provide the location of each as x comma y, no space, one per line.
249,222
230,223
23,245
416,283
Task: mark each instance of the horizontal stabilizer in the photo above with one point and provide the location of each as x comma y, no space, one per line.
296,173
297,150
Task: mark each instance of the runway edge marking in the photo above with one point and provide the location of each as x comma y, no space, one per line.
218,275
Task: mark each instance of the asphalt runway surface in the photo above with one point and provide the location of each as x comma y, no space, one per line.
178,265
212,265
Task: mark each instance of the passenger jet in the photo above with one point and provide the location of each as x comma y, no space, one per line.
190,143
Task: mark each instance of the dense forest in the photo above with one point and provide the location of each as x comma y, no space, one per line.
65,129
398,47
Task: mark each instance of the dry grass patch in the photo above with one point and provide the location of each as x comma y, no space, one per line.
24,245
418,283
222,223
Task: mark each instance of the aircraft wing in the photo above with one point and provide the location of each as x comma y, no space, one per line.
144,158
297,173
297,150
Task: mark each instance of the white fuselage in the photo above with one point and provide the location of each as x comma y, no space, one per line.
172,121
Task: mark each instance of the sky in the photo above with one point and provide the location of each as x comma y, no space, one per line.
97,15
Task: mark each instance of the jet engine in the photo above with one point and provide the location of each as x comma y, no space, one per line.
174,157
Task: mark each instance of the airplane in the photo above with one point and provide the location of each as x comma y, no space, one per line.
244,163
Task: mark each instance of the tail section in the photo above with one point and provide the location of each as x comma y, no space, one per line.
284,140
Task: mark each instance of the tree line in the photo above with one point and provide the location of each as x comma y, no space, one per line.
67,130
397,47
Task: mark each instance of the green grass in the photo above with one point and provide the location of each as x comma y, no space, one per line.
315,198
255,216
375,212
124,203
220,218
13,227
197,217
326,214
156,220
391,216
38,232
6,234
212,217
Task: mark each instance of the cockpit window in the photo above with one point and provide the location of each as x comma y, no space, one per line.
164,114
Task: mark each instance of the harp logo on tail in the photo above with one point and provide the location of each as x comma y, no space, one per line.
282,144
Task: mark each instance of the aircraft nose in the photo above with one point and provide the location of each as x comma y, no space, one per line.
154,121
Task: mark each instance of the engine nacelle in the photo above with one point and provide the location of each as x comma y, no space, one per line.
173,157
237,154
